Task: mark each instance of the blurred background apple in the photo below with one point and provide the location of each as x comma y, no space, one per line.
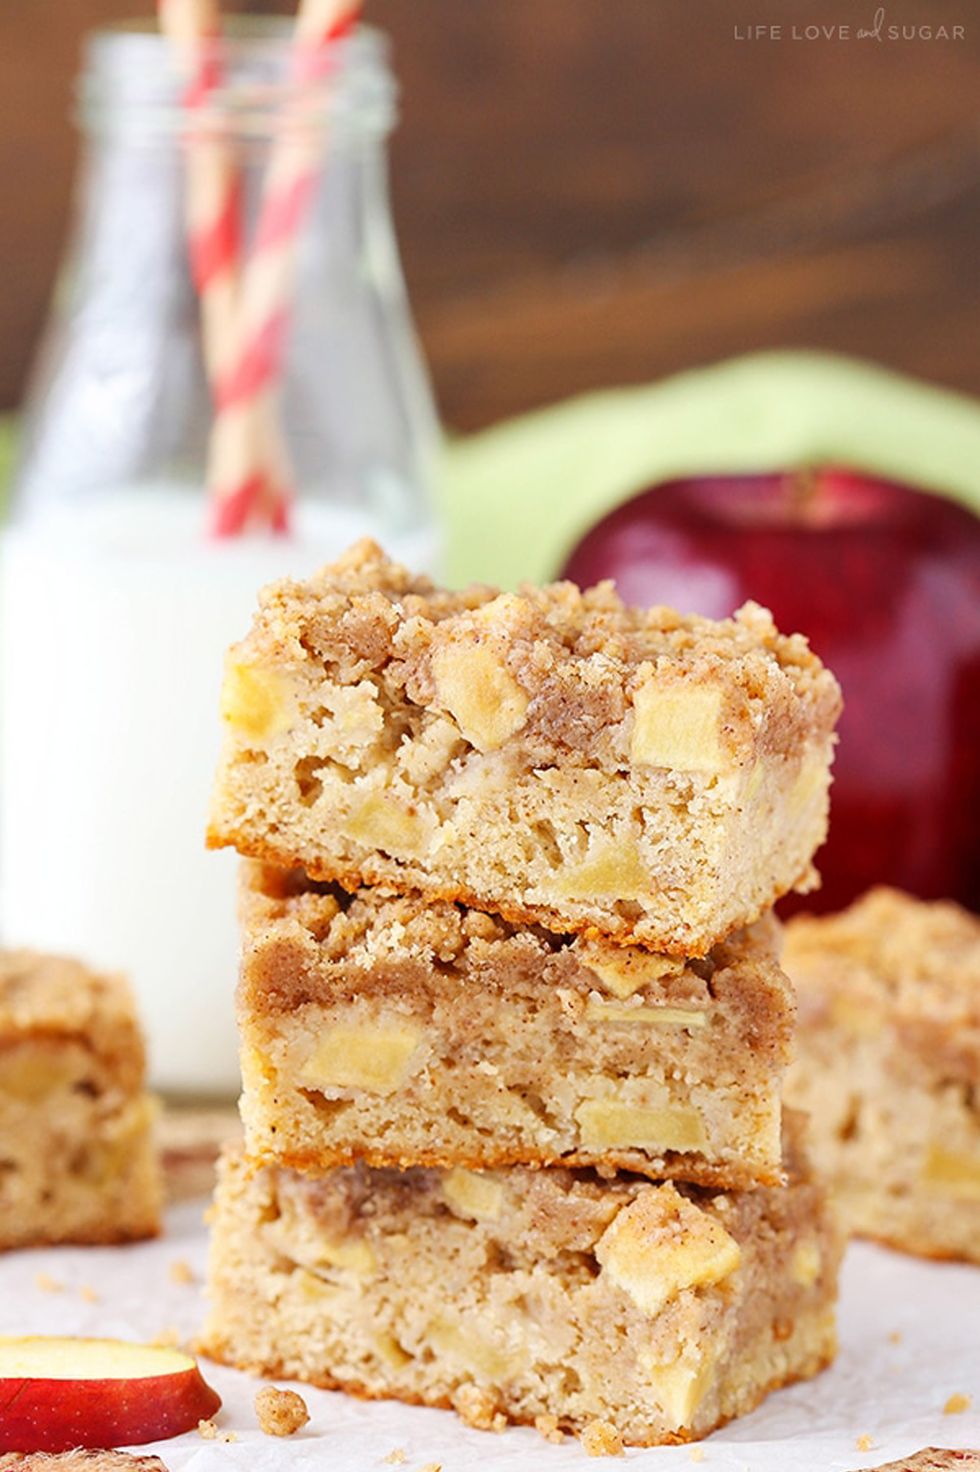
885,582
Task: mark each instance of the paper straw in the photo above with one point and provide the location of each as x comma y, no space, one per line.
250,477
245,462
213,189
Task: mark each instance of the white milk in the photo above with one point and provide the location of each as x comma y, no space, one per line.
113,624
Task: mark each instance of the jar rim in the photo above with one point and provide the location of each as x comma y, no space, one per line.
129,80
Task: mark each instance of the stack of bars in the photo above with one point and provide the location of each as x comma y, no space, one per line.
513,1025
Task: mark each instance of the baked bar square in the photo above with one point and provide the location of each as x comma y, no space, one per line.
403,1032
550,755
888,1066
77,1159
520,1294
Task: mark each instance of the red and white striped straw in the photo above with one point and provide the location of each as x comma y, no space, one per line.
245,304
245,408
213,188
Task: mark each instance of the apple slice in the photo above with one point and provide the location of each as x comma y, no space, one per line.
61,1393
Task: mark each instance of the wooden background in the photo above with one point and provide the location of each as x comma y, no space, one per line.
592,192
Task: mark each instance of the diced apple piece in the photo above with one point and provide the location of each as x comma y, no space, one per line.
623,970
810,784
678,1388
953,1173
617,1124
56,1394
599,1011
351,1254
391,1351
471,1348
678,726
480,693
33,1069
256,702
612,868
804,1266
379,822
375,1059
472,1194
661,1244
855,1015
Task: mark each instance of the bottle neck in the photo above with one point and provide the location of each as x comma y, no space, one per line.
121,396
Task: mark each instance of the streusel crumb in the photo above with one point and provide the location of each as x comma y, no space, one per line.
549,1428
280,1412
600,1439
478,1408
956,1404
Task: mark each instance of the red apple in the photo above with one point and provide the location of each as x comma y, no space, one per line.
885,581
56,1394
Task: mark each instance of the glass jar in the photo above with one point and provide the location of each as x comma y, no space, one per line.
115,604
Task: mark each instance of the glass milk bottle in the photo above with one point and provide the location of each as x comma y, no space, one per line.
116,605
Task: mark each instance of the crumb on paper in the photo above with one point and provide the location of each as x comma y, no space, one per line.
865,1443
956,1404
431,1467
395,1457
280,1412
895,1337
208,1431
44,1283
88,1293
181,1271
601,1439
549,1429
478,1408
696,1453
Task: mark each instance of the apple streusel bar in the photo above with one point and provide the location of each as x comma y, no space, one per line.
520,1294
77,1160
550,755
888,1066
399,1032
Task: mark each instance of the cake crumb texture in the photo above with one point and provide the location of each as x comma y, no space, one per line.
550,755
888,1066
80,1164
382,1028
377,1282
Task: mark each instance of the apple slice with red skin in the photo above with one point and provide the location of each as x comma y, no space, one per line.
56,1394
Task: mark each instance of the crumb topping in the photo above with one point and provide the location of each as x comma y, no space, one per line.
601,1439
919,959
280,1412
53,997
297,930
577,657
